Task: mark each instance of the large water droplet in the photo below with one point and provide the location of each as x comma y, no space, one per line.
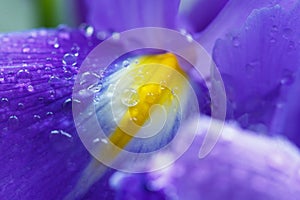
13,122
130,97
60,140
23,76
69,59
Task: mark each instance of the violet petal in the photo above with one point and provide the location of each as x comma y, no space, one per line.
241,166
256,63
233,16
119,15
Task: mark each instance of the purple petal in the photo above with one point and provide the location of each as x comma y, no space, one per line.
257,62
119,15
41,154
241,166
233,16
199,14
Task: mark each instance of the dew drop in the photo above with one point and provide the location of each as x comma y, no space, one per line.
25,49
287,80
20,106
23,76
60,140
96,140
2,78
95,88
75,50
67,105
69,59
102,35
110,90
125,63
87,30
104,141
130,97
236,41
116,36
30,88
54,81
189,38
287,32
36,118
4,102
13,122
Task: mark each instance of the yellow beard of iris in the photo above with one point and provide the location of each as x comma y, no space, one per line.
160,88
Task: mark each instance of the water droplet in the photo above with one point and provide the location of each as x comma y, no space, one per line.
163,84
236,41
67,105
104,141
116,36
251,66
13,122
23,76
2,78
274,28
87,30
21,106
68,75
30,88
69,59
287,81
36,118
292,45
96,140
272,40
60,140
53,42
175,91
287,32
130,97
54,81
4,102
75,50
49,114
110,90
102,35
25,49
95,88
189,38
125,63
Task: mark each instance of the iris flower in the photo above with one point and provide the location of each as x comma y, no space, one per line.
255,45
